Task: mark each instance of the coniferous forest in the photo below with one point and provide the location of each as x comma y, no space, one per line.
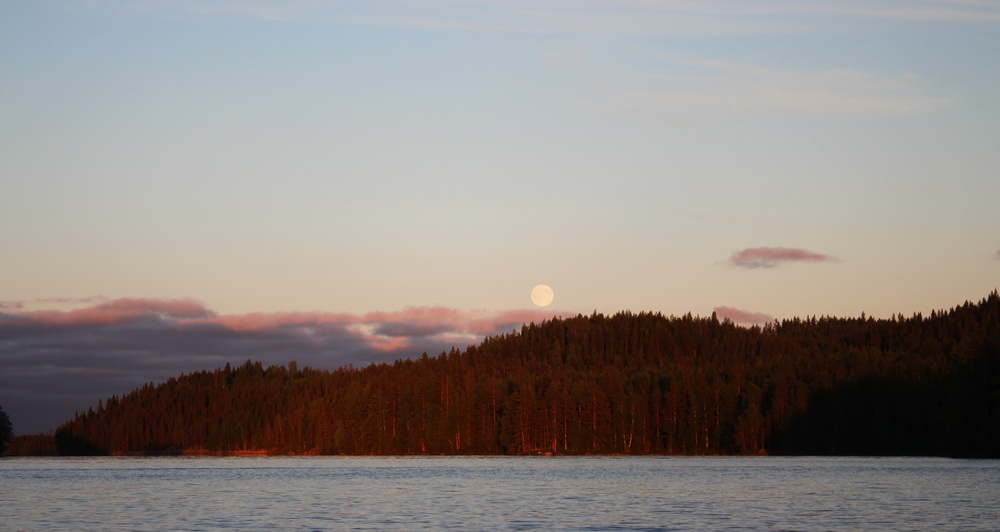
628,383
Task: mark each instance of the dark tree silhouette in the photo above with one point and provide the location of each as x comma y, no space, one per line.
6,430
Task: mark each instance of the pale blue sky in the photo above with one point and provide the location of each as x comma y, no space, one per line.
362,156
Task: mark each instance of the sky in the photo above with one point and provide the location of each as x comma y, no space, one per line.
190,183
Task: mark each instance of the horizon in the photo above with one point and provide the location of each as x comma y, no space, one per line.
395,177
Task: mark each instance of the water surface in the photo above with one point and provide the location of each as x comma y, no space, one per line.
498,493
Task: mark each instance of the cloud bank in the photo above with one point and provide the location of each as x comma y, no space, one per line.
744,317
53,363
765,257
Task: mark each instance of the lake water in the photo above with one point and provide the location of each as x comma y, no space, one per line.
497,493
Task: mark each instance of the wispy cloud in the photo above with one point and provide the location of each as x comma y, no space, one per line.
961,11
740,316
541,17
591,17
685,82
767,257
54,362
679,85
11,305
72,300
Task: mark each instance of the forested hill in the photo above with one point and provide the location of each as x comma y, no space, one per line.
628,383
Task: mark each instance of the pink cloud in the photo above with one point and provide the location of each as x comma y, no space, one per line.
411,321
266,321
767,257
494,323
736,315
178,308
386,344
119,311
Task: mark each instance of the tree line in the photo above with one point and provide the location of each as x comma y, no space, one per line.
622,384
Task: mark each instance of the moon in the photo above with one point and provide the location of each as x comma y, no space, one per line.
542,295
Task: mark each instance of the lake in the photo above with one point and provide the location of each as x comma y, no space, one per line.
499,493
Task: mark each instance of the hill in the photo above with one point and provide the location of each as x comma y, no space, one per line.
628,383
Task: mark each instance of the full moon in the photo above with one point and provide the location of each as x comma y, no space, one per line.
542,295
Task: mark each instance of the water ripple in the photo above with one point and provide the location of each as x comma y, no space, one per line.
445,493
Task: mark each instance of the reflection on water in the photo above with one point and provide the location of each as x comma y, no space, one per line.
591,493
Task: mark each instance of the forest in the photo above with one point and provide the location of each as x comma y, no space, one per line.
623,384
